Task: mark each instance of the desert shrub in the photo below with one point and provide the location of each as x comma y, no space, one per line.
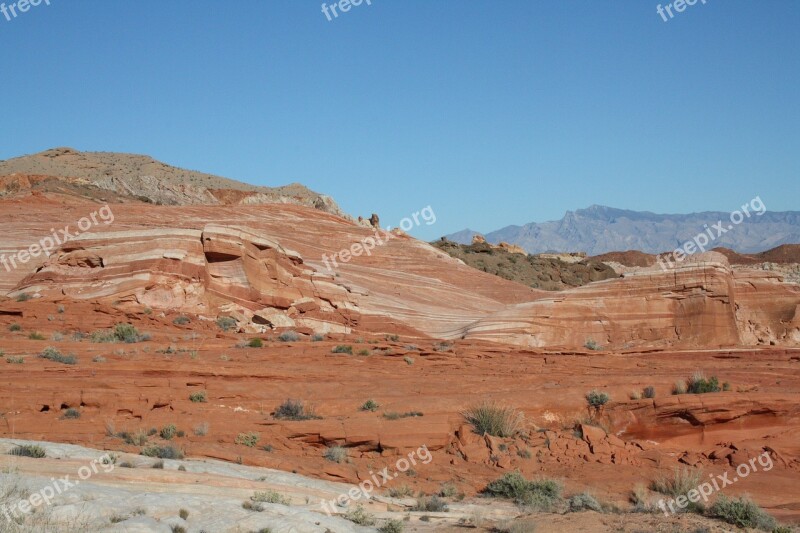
391,415
584,502
127,333
434,504
252,506
201,430
317,337
540,495
52,354
268,448
28,450
679,387
198,397
14,327
448,490
168,431
99,359
403,491
370,405
524,453
392,338
635,395
392,526
364,352
162,452
359,516
336,454
184,514
640,500
23,297
494,419
597,398
181,320
247,439
255,343
442,347
698,384
139,438
679,484
649,392
158,465
103,336
742,512
289,336
409,360
294,410
71,414
592,345
35,336
270,496
15,360
342,348
226,323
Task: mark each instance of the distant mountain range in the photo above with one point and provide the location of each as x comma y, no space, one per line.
599,229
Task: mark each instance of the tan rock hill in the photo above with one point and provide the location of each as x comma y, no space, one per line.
142,178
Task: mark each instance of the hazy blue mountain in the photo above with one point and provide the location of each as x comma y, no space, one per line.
600,229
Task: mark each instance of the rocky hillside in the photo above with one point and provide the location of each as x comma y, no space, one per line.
537,271
600,229
140,178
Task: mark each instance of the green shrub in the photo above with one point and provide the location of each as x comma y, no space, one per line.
584,502
494,419
742,512
52,354
289,336
184,514
163,452
343,349
364,352
317,337
409,360
181,320
168,432
294,410
23,297
359,516
127,333
698,384
14,327
370,405
597,399
226,323
252,506
391,415
540,495
35,336
198,397
392,526
336,454
139,438
15,360
442,347
28,450
71,414
270,496
649,392
247,439
592,345
255,343
434,504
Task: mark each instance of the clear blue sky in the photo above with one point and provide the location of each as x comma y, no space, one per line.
494,113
